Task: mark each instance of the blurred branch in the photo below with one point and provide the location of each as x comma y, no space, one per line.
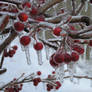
11,37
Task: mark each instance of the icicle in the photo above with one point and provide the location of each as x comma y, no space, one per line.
27,55
60,73
39,54
86,6
47,52
90,83
71,69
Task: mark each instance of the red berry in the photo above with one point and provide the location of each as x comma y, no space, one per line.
23,17
38,73
34,11
58,84
25,40
52,62
27,4
59,58
77,41
48,89
57,31
53,72
15,47
36,81
11,52
67,58
38,46
19,26
78,48
49,86
90,43
74,56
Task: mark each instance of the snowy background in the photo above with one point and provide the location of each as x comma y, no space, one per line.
18,65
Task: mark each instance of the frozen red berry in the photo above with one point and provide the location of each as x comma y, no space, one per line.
11,52
38,72
57,31
74,56
59,58
26,4
67,58
23,17
52,62
78,48
15,47
38,46
34,11
25,40
58,84
19,26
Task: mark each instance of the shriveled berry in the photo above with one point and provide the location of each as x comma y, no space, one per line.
38,46
74,56
19,26
57,31
12,52
25,40
23,17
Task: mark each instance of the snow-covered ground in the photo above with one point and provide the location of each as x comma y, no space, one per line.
18,65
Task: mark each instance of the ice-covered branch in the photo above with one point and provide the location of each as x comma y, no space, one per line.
48,5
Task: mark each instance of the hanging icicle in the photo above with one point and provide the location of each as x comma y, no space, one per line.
26,49
39,55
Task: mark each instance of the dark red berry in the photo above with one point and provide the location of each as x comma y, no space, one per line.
19,26
58,84
52,62
34,11
53,72
57,31
27,4
15,47
11,53
39,73
78,48
23,17
38,46
59,58
25,40
74,56
67,58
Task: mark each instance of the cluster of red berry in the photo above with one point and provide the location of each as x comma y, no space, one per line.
14,88
11,51
62,56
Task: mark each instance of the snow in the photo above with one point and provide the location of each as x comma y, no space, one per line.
18,65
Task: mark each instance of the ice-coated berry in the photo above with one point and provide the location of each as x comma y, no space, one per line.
26,4
74,56
19,26
38,46
23,17
25,40
58,58
57,31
